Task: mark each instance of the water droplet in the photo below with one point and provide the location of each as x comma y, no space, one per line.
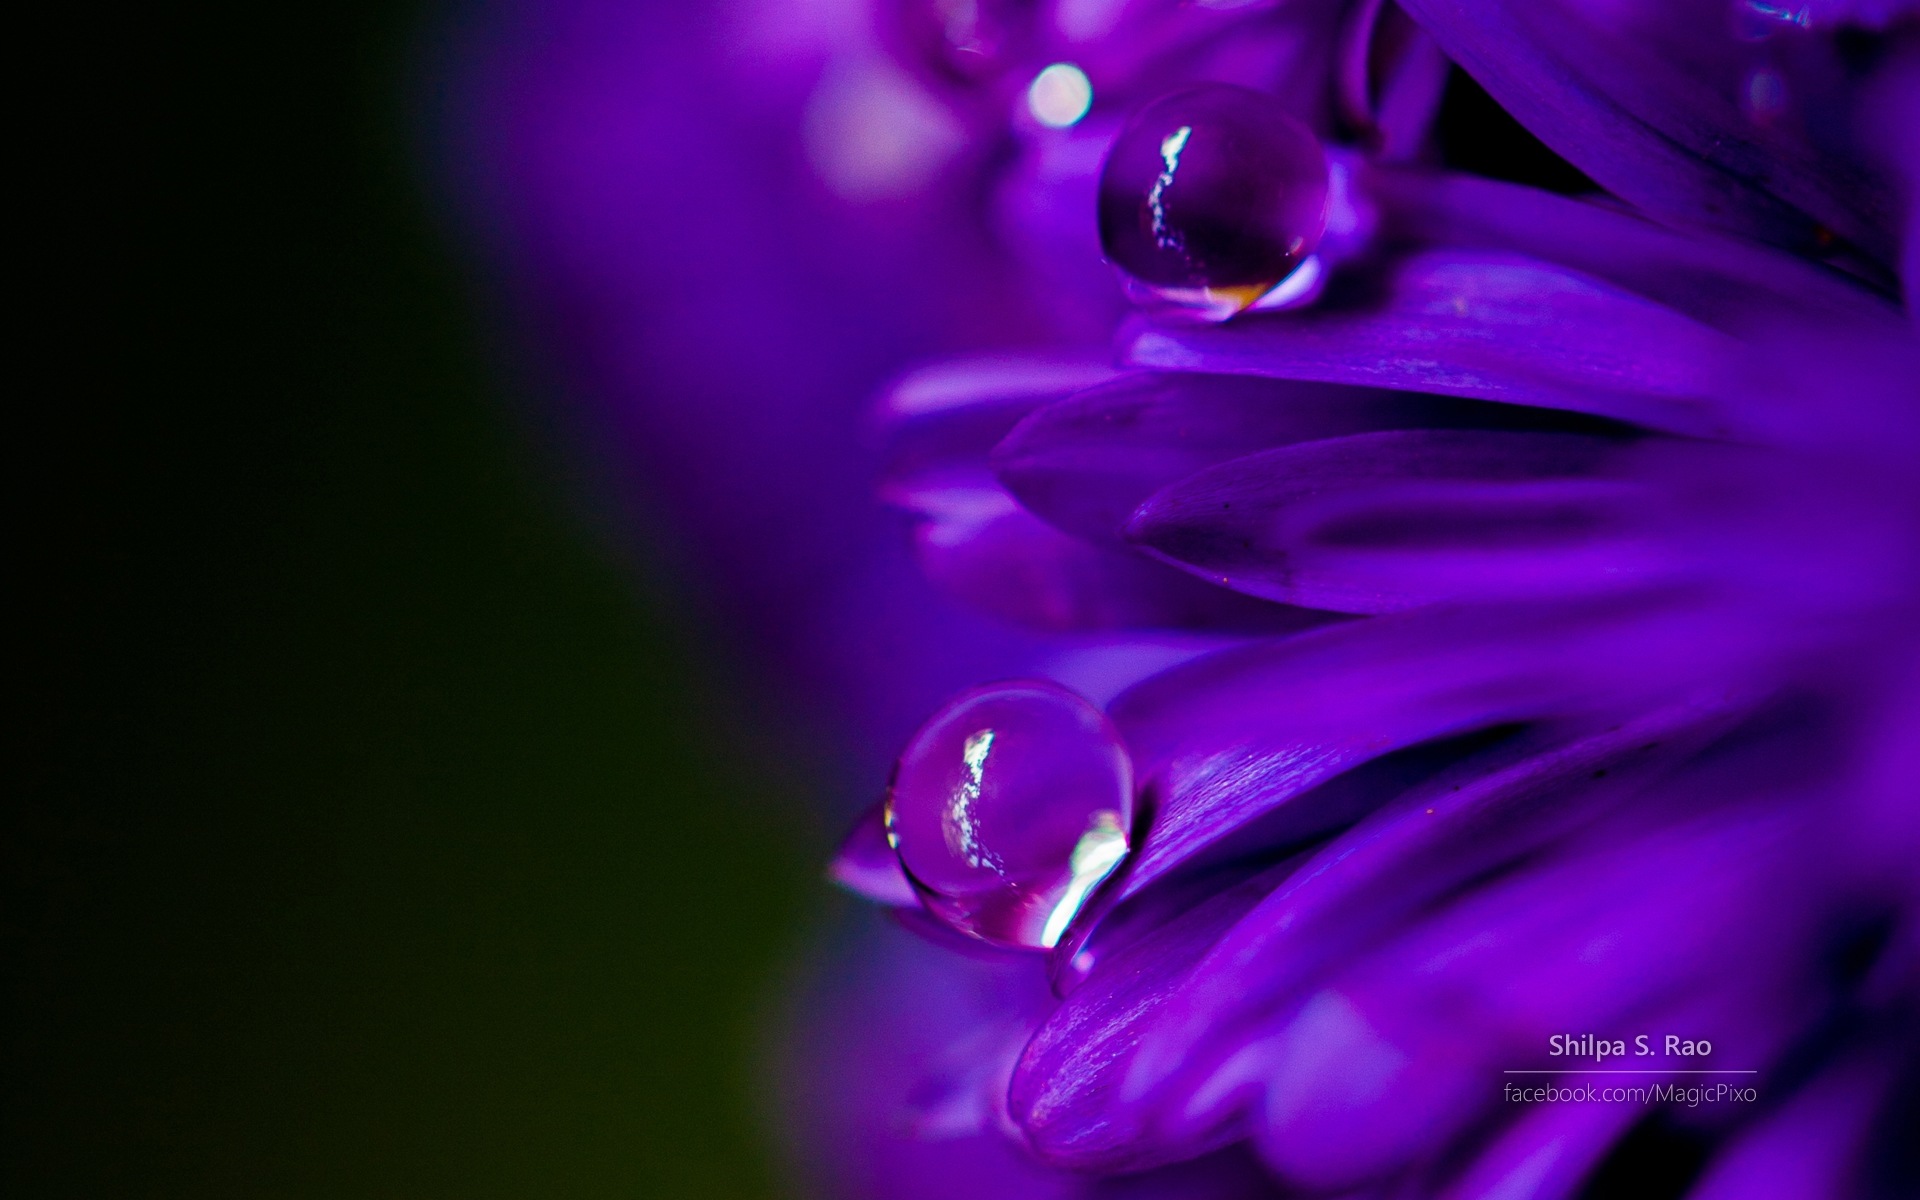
1216,188
1009,808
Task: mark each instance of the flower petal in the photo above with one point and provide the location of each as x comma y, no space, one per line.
1546,1154
1421,846
1405,678
1723,282
1868,14
1646,100
977,544
1084,463
1811,1146
1062,1084
1481,324
1588,942
867,866
1388,78
954,411
1156,993
1385,521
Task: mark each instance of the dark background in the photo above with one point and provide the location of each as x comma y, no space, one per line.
371,831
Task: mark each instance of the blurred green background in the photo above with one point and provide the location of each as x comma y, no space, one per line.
374,833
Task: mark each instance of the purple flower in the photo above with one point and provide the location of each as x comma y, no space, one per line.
1513,628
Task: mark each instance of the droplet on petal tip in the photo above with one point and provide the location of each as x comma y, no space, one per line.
1009,808
1213,195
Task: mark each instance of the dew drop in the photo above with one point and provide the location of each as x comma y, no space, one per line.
1009,808
1215,188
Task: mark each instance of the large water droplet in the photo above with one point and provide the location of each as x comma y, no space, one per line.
1215,187
1009,808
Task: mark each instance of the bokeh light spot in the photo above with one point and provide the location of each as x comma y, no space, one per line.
1060,95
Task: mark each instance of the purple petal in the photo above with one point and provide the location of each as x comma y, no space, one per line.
1383,1069
1214,814
986,381
1867,14
1722,282
1231,1174
1546,1154
872,1061
1061,1093
1388,77
867,866
1813,1145
1405,678
1424,845
1207,799
977,544
1433,840
1386,521
1485,325
1645,100
955,411
1086,462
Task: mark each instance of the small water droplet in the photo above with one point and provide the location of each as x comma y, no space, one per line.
1009,808
1214,188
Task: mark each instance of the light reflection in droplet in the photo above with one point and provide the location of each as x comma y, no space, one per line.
1094,857
1060,96
1297,289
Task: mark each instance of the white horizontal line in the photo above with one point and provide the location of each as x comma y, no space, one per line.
1640,1071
